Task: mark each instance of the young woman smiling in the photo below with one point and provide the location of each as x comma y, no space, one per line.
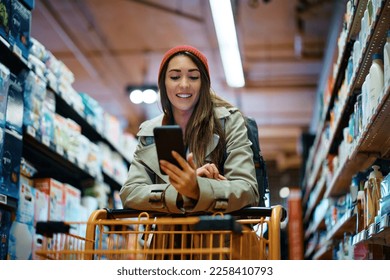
210,126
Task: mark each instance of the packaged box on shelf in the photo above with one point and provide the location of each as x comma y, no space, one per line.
34,94
61,136
41,213
1,151
74,131
41,206
55,191
20,28
20,241
22,229
384,205
47,118
5,18
30,4
72,200
93,111
15,104
83,151
94,161
5,225
37,66
112,128
73,208
11,158
4,85
37,49
26,202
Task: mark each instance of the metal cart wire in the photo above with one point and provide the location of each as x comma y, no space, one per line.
251,233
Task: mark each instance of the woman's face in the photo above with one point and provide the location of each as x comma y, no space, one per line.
182,83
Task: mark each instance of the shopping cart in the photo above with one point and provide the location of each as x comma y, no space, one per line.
251,233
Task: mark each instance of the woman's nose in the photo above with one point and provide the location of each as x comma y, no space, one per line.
184,82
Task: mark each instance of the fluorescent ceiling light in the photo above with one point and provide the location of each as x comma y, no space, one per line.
222,13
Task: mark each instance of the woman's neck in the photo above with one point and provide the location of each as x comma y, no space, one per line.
181,119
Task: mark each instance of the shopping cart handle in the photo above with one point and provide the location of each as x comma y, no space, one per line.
52,227
260,212
247,211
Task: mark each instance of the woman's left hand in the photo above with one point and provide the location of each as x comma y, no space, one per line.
183,180
210,170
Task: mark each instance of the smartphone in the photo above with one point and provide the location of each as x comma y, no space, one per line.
169,138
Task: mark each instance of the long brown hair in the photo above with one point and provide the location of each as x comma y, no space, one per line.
203,123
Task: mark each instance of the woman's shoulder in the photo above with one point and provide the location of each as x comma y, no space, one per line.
225,112
146,127
228,113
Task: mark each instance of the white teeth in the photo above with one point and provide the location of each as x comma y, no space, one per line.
183,95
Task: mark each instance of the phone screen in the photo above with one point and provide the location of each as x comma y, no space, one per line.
169,138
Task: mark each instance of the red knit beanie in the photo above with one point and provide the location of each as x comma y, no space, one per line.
184,48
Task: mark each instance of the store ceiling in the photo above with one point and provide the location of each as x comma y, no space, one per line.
109,45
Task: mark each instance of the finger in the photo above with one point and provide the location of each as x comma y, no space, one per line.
183,163
190,160
215,171
221,177
169,168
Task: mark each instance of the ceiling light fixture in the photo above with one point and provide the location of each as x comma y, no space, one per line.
143,94
222,14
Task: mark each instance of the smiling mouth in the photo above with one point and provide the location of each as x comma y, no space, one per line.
184,95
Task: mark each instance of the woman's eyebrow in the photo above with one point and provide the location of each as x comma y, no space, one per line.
180,70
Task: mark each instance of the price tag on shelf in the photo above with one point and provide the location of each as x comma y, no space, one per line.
71,158
81,165
3,199
60,150
17,51
46,140
31,131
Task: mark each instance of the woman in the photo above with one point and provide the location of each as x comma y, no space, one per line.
215,136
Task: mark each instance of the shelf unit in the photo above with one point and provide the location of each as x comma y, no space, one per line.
373,142
50,160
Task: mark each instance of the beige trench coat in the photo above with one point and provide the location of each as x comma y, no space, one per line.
147,189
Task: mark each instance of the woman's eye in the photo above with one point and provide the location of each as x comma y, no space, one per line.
175,78
194,78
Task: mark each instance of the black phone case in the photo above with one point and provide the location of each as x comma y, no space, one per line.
169,138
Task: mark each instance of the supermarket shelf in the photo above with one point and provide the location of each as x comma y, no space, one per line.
356,21
315,226
317,194
343,176
376,138
344,224
373,142
375,42
110,180
51,161
324,253
353,30
89,130
8,202
309,252
347,223
11,58
377,233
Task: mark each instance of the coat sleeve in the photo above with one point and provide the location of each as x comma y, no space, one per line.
240,188
143,189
